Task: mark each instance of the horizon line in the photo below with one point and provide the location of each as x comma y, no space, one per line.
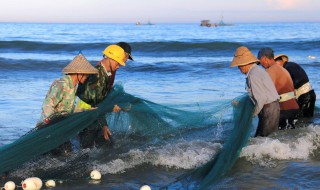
251,22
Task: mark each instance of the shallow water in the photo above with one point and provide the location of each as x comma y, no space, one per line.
180,65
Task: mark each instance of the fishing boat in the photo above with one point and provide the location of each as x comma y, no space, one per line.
207,23
148,23
216,24
221,23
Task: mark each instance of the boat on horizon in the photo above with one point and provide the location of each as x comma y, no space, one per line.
216,24
148,23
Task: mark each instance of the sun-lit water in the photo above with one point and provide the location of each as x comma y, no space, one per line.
175,64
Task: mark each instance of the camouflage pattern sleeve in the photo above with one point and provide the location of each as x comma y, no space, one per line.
95,89
53,97
87,91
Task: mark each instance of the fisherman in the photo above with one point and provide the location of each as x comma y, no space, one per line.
97,87
261,91
281,78
127,50
60,99
304,93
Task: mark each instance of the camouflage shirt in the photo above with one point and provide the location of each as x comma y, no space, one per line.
95,88
60,97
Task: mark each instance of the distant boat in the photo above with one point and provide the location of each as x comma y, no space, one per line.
208,24
221,23
148,23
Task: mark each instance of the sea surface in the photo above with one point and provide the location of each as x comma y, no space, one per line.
183,66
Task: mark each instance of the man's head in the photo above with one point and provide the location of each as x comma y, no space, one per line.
243,58
266,56
115,56
81,67
281,59
127,49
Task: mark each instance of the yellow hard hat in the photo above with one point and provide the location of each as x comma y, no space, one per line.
116,53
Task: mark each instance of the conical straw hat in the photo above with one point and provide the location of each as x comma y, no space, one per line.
284,57
243,56
80,65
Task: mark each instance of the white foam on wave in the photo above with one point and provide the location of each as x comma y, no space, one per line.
311,57
182,154
265,151
45,163
185,154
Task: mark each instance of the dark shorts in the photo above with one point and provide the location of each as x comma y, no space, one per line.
93,135
306,103
287,118
268,119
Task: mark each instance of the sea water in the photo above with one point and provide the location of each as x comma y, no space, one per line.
180,65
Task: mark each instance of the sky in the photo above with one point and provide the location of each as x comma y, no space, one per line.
159,11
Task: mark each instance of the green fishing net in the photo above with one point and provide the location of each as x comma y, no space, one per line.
151,123
231,150
204,177
142,118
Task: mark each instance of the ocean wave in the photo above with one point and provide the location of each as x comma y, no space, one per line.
172,48
141,47
51,62
298,144
31,46
159,57
35,65
183,155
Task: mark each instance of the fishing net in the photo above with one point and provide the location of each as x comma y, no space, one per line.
143,118
40,141
205,176
141,124
230,152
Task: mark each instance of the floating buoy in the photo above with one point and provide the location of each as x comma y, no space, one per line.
50,183
95,174
37,181
28,184
32,183
145,187
94,181
10,185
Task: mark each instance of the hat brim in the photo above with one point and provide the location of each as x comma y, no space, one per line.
79,65
242,57
130,57
284,57
237,64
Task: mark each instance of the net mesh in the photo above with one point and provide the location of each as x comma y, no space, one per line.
150,122
144,118
204,177
231,150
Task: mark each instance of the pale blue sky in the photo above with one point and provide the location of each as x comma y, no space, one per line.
159,11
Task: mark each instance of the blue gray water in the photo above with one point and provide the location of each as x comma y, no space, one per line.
175,64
